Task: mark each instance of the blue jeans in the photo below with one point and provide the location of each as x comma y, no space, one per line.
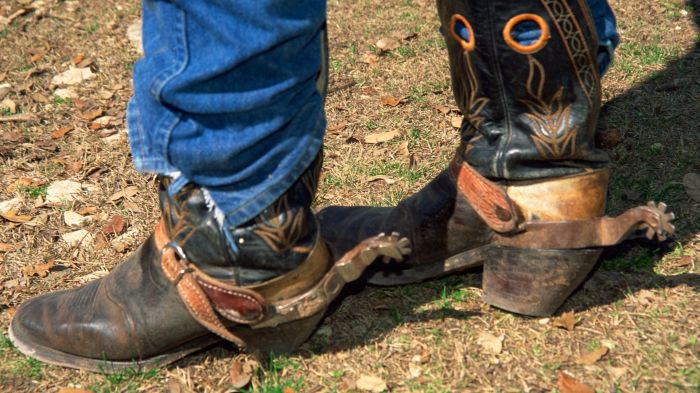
226,95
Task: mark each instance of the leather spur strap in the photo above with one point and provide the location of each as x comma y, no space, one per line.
490,201
203,295
206,297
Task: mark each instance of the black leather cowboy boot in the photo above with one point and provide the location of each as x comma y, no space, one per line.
525,193
186,287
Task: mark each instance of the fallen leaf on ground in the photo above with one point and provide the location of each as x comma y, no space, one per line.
8,105
6,247
592,357
381,137
386,44
442,109
72,76
66,93
74,219
91,115
10,204
403,149
41,270
73,390
12,216
242,371
63,191
456,121
566,321
386,179
371,383
78,58
61,132
691,182
335,128
567,384
5,89
19,117
288,390
134,34
404,35
125,193
390,101
80,238
40,98
490,342
115,225
369,58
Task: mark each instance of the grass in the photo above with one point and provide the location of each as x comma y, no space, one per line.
643,299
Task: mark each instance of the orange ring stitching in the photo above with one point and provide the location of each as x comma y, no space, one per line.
526,49
466,45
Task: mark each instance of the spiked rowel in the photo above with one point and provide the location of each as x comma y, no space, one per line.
186,288
525,193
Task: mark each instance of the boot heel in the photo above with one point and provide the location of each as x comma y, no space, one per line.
534,282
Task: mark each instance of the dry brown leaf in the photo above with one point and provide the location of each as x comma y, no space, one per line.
288,390
128,192
691,182
404,35
390,101
19,117
241,372
78,58
490,342
37,56
91,115
11,311
380,137
63,191
566,321
12,216
5,89
61,132
403,149
37,97
456,121
592,357
386,44
73,390
87,210
116,225
41,270
8,105
386,179
6,247
369,58
567,384
444,109
371,383
336,128
72,76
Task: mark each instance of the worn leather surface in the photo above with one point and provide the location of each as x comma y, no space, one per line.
530,115
271,244
134,313
527,116
438,221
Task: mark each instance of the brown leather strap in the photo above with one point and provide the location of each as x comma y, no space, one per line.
489,200
594,232
204,296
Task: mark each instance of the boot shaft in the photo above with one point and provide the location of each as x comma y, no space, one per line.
274,242
524,74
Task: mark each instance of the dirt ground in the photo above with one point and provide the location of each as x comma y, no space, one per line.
638,314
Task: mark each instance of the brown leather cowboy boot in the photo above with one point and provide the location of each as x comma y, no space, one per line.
525,193
186,288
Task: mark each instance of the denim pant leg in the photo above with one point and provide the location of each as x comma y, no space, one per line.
226,97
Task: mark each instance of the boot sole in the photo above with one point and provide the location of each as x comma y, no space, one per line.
531,282
282,339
